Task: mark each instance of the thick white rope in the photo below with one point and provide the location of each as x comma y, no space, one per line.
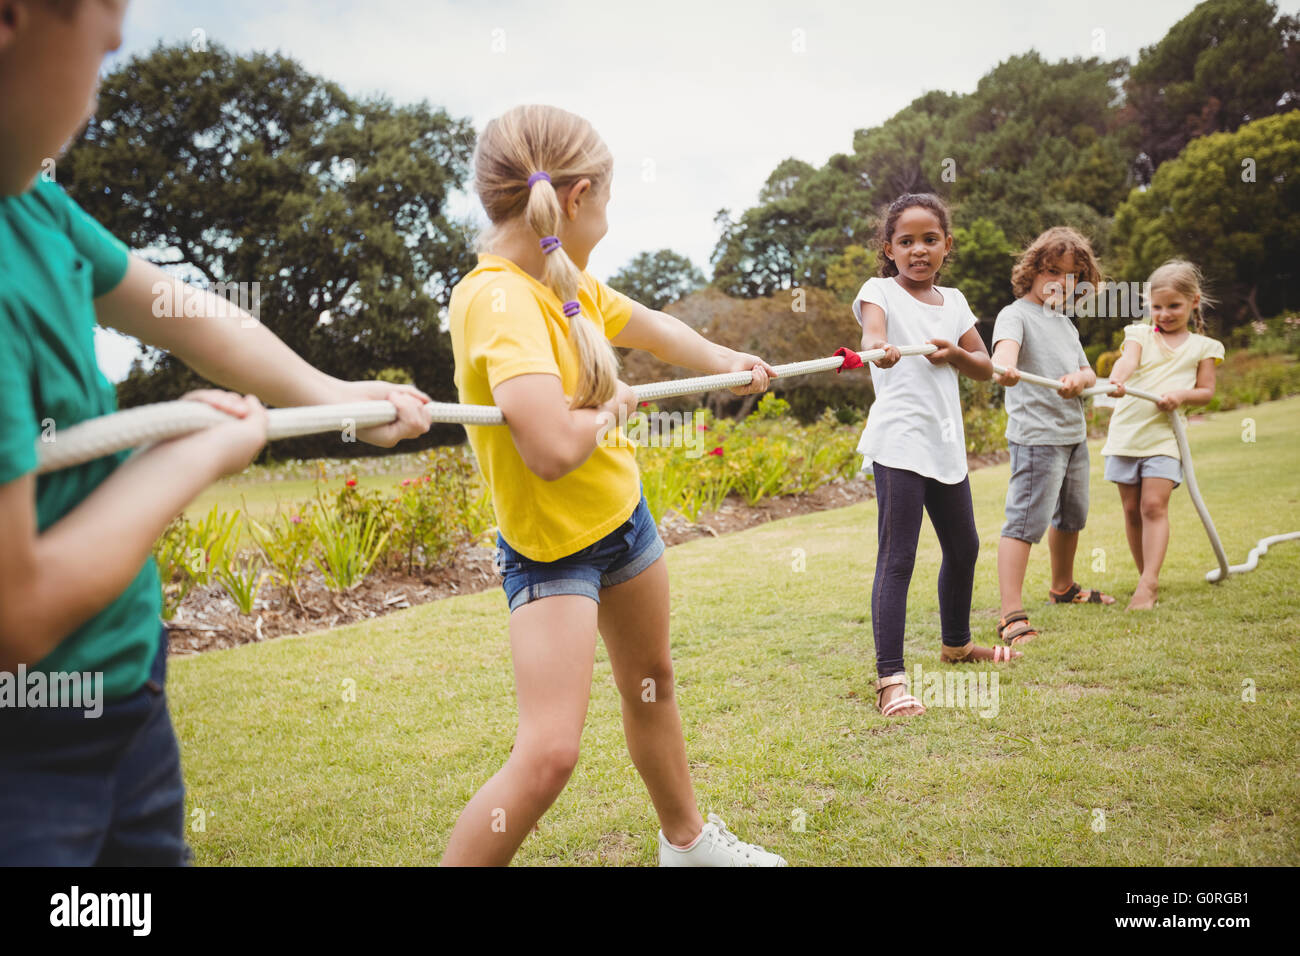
154,423
1189,474
148,424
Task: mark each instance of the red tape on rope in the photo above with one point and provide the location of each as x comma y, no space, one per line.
851,359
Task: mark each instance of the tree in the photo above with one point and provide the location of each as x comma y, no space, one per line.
656,279
980,267
1230,203
790,326
237,169
804,219
1037,144
1226,63
847,272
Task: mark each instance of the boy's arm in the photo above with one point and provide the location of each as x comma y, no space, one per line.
53,582
1006,352
671,340
228,346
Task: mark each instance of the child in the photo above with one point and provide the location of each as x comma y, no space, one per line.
1046,434
914,439
1141,452
79,589
577,548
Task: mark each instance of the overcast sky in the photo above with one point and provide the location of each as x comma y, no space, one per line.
697,100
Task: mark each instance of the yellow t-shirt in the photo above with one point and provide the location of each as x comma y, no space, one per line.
506,323
1138,428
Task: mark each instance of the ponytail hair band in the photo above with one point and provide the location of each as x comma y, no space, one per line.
571,309
538,176
549,244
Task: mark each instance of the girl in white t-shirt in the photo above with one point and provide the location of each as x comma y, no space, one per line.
1142,458
914,440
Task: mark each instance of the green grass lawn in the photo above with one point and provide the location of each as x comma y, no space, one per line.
1138,716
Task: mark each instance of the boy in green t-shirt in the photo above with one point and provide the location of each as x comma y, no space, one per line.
89,764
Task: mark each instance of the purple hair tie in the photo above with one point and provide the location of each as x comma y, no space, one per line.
571,309
549,244
536,176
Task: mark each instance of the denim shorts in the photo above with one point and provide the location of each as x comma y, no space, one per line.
619,556
103,791
1127,470
1049,484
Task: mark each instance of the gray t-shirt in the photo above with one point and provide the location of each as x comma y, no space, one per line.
1049,345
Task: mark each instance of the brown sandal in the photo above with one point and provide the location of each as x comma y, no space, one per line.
898,703
964,654
1015,629
1077,595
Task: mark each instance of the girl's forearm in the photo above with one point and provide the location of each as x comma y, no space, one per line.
1120,372
681,345
976,365
1196,396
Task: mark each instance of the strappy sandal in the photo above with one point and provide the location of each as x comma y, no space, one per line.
898,703
1015,629
1077,595
962,655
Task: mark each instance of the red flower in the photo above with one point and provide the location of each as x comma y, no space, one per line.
351,482
701,428
644,404
717,451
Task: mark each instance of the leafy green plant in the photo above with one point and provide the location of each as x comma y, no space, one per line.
759,468
348,546
214,540
286,542
665,484
171,551
426,523
242,577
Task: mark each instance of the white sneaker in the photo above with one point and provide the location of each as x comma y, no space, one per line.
716,846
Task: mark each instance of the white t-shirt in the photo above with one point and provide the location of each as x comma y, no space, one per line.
915,422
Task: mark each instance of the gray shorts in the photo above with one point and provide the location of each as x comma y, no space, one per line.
1127,470
1049,484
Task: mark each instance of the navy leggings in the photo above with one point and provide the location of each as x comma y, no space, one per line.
900,497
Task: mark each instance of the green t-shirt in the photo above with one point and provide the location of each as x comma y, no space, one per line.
54,261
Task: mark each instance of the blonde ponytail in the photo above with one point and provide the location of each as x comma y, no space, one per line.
524,141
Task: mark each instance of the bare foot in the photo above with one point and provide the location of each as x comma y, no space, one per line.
1144,598
898,690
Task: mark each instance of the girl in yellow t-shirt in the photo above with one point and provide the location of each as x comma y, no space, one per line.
1141,452
577,548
